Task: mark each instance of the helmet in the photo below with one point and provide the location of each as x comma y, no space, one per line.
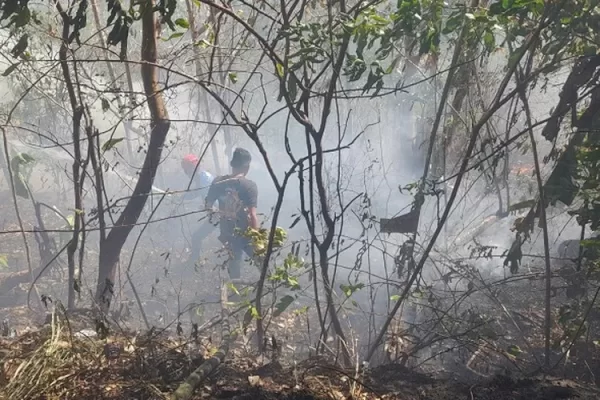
189,160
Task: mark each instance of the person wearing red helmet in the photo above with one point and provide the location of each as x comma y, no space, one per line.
201,181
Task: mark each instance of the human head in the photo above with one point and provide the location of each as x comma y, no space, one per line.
240,161
188,163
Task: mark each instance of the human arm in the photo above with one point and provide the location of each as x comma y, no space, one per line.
252,218
251,203
210,199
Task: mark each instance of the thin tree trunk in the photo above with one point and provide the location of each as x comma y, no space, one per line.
77,109
498,102
548,278
110,249
113,78
16,202
202,97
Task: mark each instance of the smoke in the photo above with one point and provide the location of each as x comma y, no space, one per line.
374,147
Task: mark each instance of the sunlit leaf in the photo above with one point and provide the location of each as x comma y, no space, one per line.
173,36
514,350
280,70
3,261
182,23
233,77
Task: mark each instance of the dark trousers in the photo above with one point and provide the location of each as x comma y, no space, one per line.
198,237
237,246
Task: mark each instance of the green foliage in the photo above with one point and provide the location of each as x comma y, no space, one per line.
16,11
110,143
3,262
174,35
286,273
259,239
182,23
350,289
588,177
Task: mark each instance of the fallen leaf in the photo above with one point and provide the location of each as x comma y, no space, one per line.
254,380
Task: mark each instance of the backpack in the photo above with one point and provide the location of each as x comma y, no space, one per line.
231,208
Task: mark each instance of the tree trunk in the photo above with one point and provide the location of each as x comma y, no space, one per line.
113,77
203,97
110,249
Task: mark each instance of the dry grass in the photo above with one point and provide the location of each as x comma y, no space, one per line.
53,364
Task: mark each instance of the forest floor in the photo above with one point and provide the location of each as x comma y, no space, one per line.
42,363
56,361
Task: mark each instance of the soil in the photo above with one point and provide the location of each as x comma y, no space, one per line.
150,368
152,372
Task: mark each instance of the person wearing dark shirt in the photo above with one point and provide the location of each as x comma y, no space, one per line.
237,197
201,181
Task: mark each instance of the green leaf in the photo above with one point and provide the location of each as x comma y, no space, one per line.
182,23
452,24
514,350
233,77
281,306
506,4
489,40
280,70
202,43
351,289
395,297
71,221
470,16
22,18
3,261
301,310
233,288
515,57
173,36
10,69
110,143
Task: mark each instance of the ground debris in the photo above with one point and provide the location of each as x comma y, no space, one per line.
51,363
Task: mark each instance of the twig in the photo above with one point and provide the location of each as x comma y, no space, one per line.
185,391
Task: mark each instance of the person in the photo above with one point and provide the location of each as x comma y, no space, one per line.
201,181
237,197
